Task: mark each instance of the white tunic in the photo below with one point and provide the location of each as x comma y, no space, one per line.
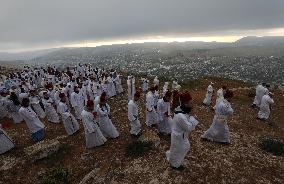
34,101
77,101
164,120
118,85
131,88
14,111
144,84
133,118
182,125
31,119
260,91
207,100
5,142
151,114
111,87
106,126
70,123
264,110
220,95
219,130
93,134
50,111
156,81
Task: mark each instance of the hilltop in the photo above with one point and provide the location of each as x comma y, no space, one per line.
241,162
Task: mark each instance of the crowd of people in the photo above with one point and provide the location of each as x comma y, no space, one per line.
79,95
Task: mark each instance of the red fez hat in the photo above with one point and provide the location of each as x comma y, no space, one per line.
102,98
61,95
168,94
103,93
185,97
137,94
90,103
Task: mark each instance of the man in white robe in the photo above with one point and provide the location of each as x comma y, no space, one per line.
265,106
131,87
50,111
144,84
34,102
260,91
151,114
133,115
219,129
34,124
118,84
164,114
220,95
156,81
183,124
93,134
69,121
77,102
209,93
106,125
165,88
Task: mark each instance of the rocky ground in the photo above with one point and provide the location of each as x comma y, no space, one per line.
240,162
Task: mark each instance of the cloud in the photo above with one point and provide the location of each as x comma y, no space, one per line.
33,23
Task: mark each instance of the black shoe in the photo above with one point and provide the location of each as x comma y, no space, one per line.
180,168
224,143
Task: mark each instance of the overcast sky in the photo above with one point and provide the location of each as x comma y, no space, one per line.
46,23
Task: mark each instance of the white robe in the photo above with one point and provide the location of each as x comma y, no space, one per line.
3,105
131,88
260,91
219,129
77,102
164,122
118,85
69,121
14,111
220,95
93,134
264,110
33,122
111,87
5,142
50,111
133,118
106,126
182,125
156,81
144,84
34,101
151,114
208,97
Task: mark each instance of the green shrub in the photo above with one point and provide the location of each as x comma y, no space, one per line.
56,175
138,148
272,145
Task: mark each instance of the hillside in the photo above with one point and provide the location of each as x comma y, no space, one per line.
240,162
246,46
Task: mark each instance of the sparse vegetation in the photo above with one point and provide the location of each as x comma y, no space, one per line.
138,148
272,145
54,159
56,175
